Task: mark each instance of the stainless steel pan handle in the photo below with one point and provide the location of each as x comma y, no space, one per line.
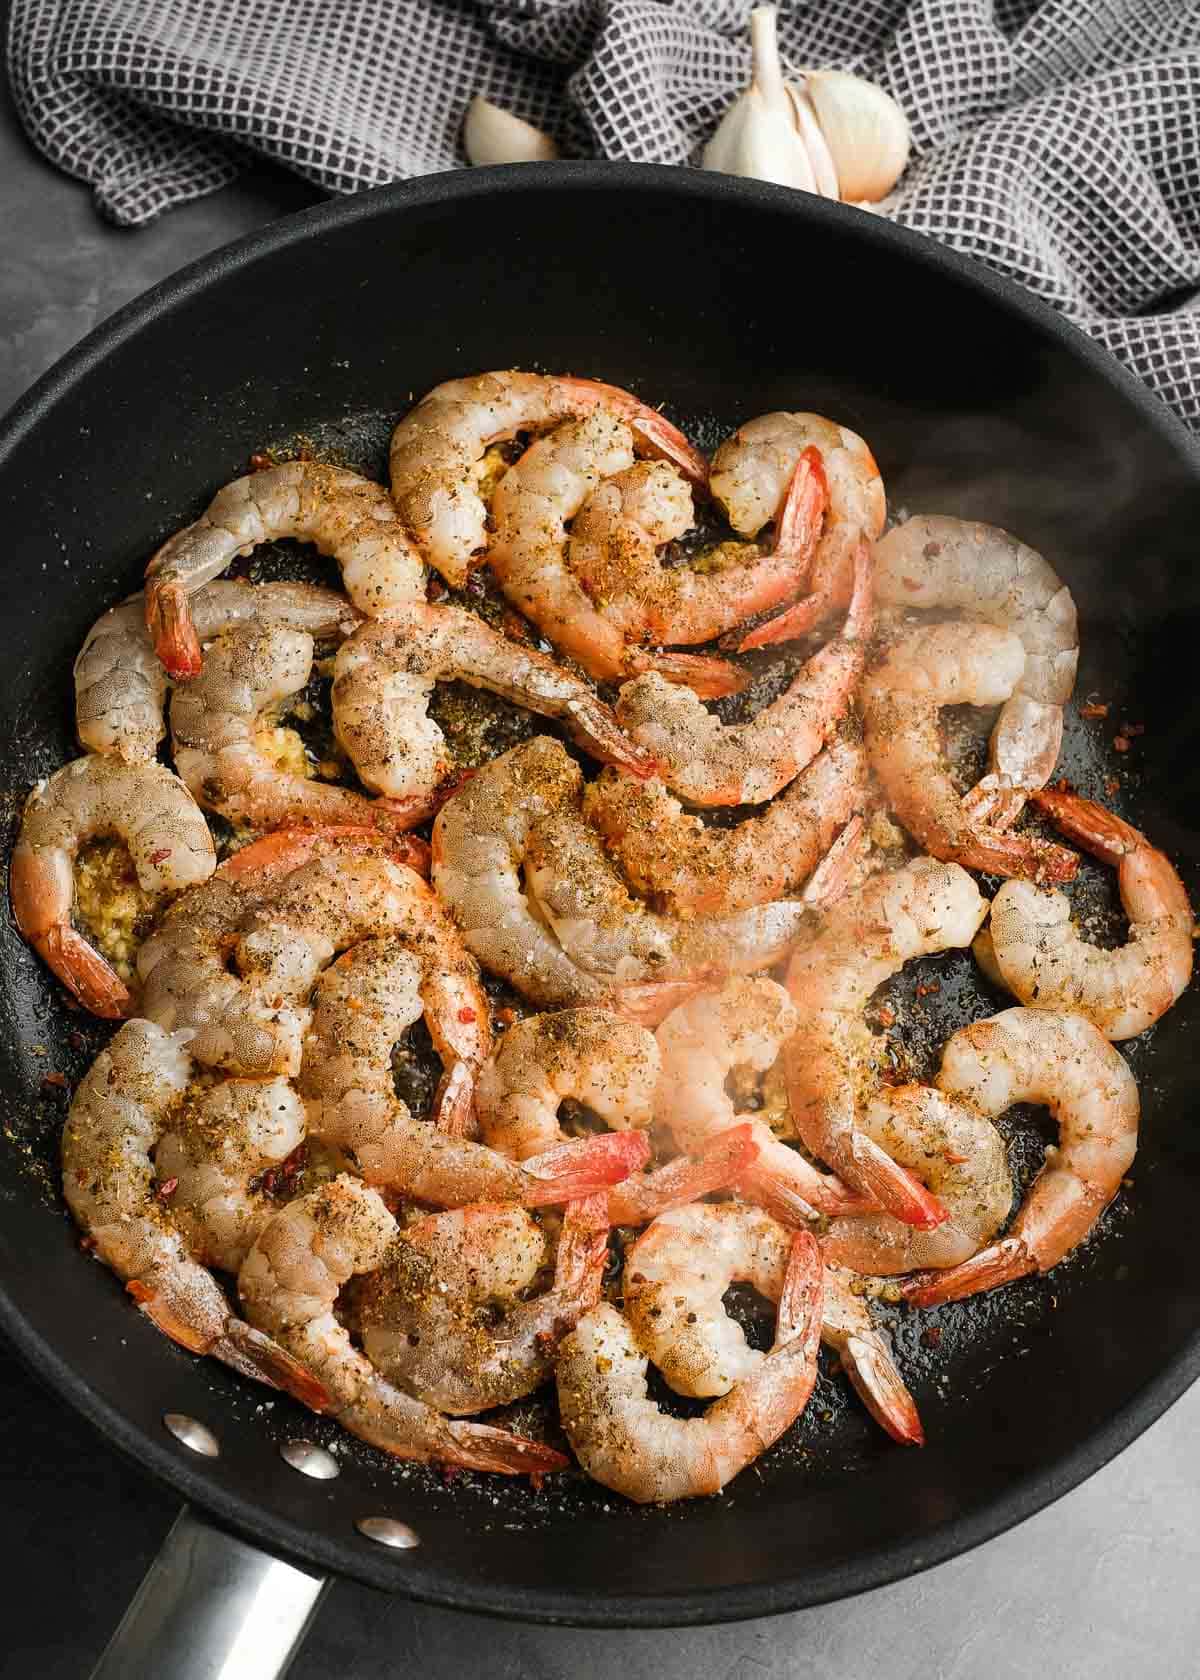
212,1608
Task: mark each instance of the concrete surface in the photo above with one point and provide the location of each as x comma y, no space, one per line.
1104,1584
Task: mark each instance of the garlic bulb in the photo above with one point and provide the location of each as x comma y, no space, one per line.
759,135
831,133
493,135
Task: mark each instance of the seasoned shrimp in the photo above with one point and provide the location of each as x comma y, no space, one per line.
150,810
685,867
742,1026
831,1058
571,934
622,1438
339,512
280,933
601,592
217,720
438,448
364,1004
957,1154
120,683
120,1107
385,674
1034,1055
750,475
212,1150
1047,963
940,665
983,572
445,1318
709,763
289,1285
676,1276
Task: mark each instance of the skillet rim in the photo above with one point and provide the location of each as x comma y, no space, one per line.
358,1560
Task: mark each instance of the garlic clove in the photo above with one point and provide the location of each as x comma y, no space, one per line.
865,130
821,158
758,135
493,135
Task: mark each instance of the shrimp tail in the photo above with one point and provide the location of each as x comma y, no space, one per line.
684,1180
594,727
479,1446
805,501
649,1002
798,1317
1099,831
996,853
988,805
454,1102
707,676
581,1168
583,1250
169,621
852,586
84,972
830,879
893,1186
868,1362
252,1354
1003,1262
285,849
667,443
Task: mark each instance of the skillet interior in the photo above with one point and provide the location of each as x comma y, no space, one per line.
731,299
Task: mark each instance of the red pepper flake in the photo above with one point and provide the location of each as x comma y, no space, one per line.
1133,729
536,1479
466,1016
1094,709
54,1082
929,988
436,590
1112,786
451,1472
952,1159
932,1337
259,462
167,1189
1121,743
515,627
887,1016
160,856
87,1244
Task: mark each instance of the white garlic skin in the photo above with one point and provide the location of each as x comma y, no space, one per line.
865,130
758,135
493,135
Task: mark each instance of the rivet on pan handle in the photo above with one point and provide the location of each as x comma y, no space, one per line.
212,1605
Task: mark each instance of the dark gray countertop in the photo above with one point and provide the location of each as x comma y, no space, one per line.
1104,1584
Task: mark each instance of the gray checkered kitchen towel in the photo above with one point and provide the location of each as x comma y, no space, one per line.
1059,141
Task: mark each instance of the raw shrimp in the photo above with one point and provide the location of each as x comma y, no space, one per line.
750,475
957,1154
339,512
216,722
983,572
709,763
289,1285
280,933
574,935
446,1318
385,674
622,1438
940,665
150,810
119,1109
365,1003
212,1150
743,1025
1047,963
438,448
120,683
601,593
832,1057
676,1276
685,867
1034,1055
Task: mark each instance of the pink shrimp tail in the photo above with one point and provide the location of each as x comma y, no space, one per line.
832,875
285,849
1002,1263
479,1446
683,1181
583,1167
801,1299
804,505
852,585
649,1002
1100,832
877,1382
583,1252
84,972
895,1188
996,853
454,1104
990,806
169,621
654,430
706,675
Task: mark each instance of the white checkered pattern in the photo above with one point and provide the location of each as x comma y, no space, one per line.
1056,140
